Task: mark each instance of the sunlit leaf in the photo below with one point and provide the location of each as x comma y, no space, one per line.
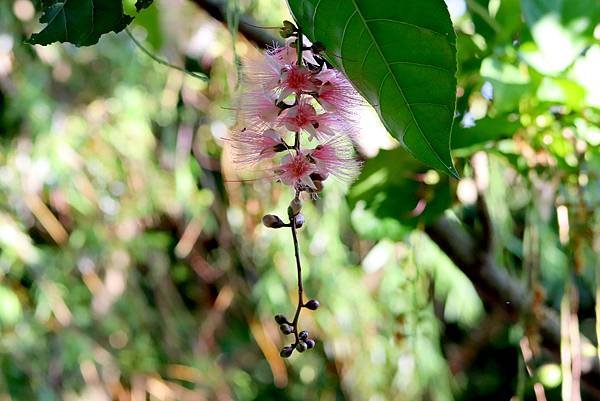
402,57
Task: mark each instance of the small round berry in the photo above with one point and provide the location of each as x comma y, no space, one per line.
286,351
303,335
286,329
301,347
313,304
299,220
280,319
272,221
310,343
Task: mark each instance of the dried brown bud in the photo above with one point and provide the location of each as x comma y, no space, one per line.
272,221
318,186
319,176
295,207
288,29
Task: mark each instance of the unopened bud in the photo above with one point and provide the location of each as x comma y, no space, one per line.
318,186
272,221
280,319
295,207
288,29
303,335
286,329
319,176
299,220
301,347
313,304
286,351
310,343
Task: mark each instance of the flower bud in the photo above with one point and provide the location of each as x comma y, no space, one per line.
301,347
286,328
318,186
287,30
310,343
313,304
280,319
286,351
319,176
295,207
299,220
272,221
303,335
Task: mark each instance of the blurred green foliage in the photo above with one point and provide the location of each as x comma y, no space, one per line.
133,265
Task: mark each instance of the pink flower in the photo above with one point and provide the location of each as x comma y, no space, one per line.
300,117
251,146
259,108
336,94
262,73
284,55
296,79
336,157
303,116
295,171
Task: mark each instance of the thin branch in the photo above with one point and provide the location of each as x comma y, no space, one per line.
197,75
247,26
299,277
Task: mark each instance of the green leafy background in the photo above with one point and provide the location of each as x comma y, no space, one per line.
132,260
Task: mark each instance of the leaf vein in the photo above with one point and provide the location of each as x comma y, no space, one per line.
420,28
419,129
436,67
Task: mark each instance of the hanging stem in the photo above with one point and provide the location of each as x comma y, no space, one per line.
292,216
299,277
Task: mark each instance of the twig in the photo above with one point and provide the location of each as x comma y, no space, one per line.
164,62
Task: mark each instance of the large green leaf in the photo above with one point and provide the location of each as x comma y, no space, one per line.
80,22
401,56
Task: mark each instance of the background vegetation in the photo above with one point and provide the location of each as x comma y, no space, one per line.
133,265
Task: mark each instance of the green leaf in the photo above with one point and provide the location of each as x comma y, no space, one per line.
401,56
394,194
80,22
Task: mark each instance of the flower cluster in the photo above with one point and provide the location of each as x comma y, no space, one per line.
299,117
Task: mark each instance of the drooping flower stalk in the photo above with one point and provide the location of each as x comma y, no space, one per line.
300,118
